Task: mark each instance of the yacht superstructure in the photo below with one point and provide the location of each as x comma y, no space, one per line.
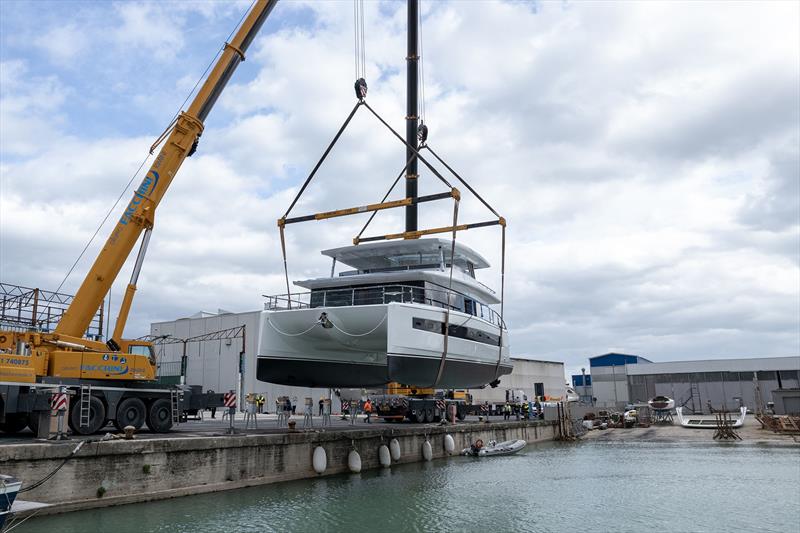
385,321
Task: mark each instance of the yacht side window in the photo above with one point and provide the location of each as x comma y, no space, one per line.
469,306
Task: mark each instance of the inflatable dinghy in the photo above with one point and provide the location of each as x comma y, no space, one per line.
494,448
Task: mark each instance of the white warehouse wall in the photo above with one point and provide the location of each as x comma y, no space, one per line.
215,364
526,372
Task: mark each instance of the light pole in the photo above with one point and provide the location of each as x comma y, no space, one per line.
583,382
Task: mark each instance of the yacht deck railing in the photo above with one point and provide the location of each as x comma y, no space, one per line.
383,294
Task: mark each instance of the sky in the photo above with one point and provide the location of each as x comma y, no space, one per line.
646,156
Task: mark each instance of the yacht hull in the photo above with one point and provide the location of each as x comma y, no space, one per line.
371,345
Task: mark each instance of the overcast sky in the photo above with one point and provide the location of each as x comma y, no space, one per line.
646,156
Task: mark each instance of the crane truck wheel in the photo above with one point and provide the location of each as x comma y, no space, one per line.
159,416
430,414
14,423
97,416
130,412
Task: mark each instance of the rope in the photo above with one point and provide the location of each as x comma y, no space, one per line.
315,324
467,185
285,268
413,150
53,472
324,155
502,299
449,290
385,196
360,334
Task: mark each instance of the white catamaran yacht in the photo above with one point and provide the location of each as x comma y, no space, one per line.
385,321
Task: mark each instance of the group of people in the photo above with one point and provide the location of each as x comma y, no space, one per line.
525,410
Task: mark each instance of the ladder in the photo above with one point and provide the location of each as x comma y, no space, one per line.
85,405
175,402
691,394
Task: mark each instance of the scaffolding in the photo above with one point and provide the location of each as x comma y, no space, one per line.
26,309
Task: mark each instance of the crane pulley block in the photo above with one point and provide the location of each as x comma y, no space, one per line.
361,88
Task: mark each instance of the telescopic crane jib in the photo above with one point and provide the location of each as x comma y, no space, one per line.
65,353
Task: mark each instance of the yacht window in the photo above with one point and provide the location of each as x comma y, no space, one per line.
368,296
469,306
471,269
338,298
393,294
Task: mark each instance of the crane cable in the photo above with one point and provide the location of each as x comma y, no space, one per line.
359,48
141,165
421,60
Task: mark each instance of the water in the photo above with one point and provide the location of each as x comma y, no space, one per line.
588,486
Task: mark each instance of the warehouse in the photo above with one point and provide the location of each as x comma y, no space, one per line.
698,386
532,377
215,363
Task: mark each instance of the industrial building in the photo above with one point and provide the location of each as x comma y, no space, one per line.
532,377
223,364
699,385
215,364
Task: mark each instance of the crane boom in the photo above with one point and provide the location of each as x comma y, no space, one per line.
139,214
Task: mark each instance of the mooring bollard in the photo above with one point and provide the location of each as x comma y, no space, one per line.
230,402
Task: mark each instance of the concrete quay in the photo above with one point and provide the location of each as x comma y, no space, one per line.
750,433
114,472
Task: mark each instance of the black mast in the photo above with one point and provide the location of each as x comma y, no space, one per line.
412,61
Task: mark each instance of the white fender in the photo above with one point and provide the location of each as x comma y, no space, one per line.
427,451
354,461
383,456
320,460
394,448
449,444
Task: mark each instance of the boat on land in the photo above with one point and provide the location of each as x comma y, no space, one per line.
661,403
707,422
9,487
494,448
385,321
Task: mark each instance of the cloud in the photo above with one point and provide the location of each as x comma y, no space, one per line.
63,43
645,158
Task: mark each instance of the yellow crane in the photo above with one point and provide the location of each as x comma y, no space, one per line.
26,357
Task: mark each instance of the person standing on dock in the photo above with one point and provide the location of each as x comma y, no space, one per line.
368,411
321,403
506,411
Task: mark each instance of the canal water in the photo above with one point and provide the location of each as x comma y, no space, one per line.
587,486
